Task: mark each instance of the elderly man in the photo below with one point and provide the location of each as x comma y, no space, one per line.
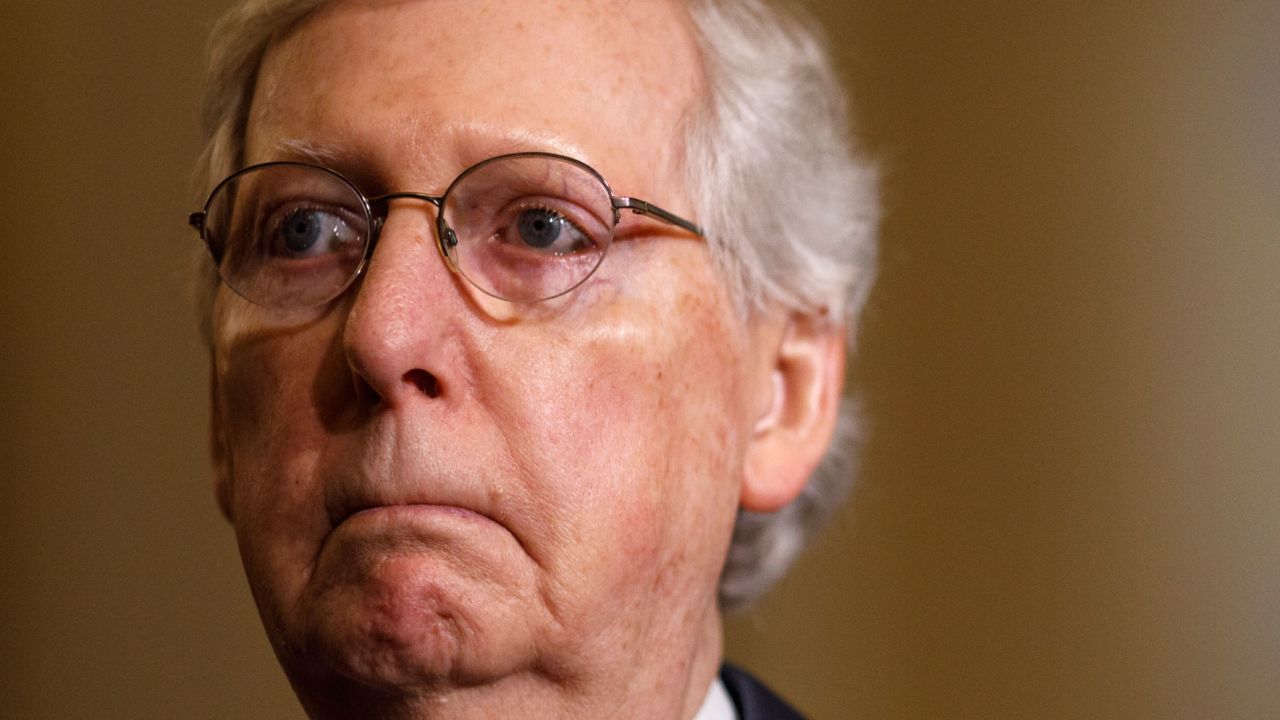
527,342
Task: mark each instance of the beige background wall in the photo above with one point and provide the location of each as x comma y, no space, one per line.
1071,371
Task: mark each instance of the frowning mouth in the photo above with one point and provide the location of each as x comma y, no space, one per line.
386,548
373,529
409,512
402,527
373,514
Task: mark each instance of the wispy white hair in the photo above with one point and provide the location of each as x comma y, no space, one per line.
789,212
791,215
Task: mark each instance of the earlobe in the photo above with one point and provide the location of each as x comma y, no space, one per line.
218,452
790,438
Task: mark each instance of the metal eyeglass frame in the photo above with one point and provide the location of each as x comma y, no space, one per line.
446,240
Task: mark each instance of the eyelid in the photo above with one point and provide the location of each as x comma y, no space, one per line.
569,210
273,221
297,202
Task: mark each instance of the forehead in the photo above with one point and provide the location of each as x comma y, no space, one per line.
441,82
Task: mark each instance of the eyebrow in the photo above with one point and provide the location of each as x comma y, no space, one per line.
321,154
466,143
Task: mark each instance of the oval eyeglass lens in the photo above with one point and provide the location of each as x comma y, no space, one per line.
286,235
528,228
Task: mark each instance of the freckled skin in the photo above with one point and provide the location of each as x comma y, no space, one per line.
544,533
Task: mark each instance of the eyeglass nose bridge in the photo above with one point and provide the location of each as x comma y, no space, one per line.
446,238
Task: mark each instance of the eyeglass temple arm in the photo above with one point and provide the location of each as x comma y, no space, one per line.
196,220
641,207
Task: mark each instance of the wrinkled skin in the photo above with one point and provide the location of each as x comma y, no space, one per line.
451,506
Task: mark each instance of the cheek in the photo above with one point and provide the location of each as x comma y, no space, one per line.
280,384
276,391
629,432
270,420
677,421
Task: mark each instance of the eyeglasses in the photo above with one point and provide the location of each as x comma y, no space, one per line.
523,227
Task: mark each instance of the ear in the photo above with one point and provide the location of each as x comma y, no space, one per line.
218,452
792,435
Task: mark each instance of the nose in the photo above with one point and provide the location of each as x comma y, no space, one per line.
400,337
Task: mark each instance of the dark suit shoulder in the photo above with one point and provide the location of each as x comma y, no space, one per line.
753,700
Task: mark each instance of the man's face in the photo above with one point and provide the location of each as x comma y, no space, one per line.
433,487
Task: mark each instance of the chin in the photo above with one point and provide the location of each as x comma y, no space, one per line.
404,624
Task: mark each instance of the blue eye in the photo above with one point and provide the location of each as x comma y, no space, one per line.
300,231
539,228
543,229
308,232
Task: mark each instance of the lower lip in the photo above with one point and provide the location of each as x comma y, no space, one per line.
391,513
410,525
384,536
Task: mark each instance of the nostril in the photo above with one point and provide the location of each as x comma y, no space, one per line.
425,381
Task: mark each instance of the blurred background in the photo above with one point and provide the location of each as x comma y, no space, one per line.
1070,367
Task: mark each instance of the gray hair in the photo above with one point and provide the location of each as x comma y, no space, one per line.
791,216
790,213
